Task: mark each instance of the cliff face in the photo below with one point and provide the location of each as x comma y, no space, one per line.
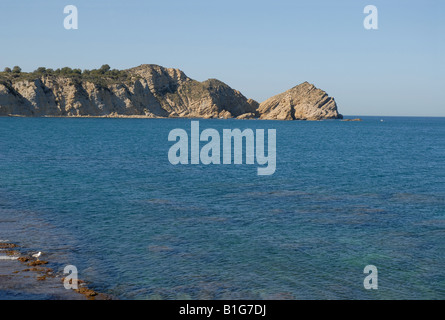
181,96
303,102
154,91
63,97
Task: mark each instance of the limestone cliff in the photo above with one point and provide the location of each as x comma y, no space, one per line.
302,102
152,91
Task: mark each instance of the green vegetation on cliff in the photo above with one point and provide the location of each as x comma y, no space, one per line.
103,76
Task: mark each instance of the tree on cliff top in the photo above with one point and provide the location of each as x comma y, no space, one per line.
40,70
16,69
105,68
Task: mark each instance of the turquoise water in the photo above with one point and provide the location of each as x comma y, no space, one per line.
101,194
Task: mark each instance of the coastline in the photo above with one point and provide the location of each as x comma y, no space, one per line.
120,116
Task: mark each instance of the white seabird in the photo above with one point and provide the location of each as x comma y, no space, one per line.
37,255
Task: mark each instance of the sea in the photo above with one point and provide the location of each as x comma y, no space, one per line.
100,194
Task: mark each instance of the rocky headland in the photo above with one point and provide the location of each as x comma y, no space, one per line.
149,91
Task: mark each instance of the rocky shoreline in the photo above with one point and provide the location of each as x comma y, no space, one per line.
25,277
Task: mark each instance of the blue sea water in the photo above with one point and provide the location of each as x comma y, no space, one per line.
101,194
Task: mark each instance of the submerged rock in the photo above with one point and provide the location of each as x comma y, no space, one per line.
7,245
36,263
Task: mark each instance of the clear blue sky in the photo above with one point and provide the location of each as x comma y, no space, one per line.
258,47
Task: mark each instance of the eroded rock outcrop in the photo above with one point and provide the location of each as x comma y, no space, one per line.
302,102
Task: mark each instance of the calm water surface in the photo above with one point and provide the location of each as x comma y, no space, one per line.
101,194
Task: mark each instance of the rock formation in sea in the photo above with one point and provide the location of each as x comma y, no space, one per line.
302,102
151,91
